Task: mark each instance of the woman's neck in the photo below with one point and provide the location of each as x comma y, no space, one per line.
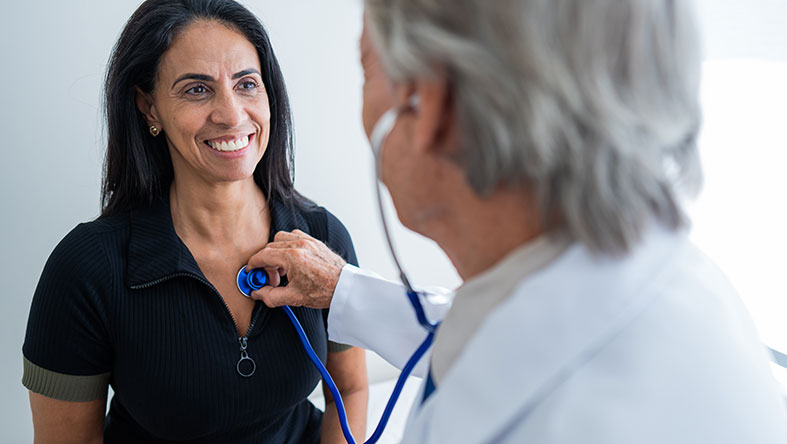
219,214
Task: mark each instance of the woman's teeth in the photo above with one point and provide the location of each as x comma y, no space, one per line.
232,145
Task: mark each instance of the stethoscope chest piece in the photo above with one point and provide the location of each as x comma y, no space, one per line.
249,281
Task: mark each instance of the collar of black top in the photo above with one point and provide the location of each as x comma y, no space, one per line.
156,251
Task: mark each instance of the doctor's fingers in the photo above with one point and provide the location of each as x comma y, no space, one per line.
289,240
290,235
303,244
303,290
303,250
272,259
278,296
274,275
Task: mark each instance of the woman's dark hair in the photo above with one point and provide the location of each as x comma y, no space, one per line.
138,168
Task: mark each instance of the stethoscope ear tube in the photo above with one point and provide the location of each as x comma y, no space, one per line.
380,132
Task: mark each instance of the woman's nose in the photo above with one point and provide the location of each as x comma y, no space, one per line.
228,111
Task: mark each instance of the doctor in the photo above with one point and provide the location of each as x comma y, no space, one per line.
546,146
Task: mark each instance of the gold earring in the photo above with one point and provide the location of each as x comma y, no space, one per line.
154,130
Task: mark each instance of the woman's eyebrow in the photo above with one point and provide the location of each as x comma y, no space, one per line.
203,77
245,72
207,78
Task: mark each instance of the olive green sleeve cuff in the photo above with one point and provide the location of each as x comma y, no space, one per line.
64,387
334,347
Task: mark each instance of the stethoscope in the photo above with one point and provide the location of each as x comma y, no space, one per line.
255,279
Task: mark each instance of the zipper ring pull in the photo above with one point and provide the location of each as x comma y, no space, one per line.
246,372
244,369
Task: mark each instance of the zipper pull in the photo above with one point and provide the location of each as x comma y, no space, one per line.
248,367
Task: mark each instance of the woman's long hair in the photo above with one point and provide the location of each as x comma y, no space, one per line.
137,167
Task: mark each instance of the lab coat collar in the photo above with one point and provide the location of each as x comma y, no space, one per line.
479,296
534,254
555,321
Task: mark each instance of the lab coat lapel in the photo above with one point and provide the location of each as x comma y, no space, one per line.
555,321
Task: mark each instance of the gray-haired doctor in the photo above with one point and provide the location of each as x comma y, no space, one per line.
546,146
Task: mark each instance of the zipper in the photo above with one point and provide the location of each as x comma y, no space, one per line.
244,355
246,365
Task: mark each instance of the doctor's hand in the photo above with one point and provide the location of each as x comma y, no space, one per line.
312,270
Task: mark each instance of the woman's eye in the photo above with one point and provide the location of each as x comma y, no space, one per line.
197,90
248,85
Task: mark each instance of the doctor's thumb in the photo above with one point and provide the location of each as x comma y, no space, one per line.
278,296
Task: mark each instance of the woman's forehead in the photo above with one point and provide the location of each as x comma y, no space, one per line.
209,48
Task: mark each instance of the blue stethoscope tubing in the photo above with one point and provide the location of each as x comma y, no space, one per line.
257,278
337,397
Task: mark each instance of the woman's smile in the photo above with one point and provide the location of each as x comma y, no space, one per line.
229,144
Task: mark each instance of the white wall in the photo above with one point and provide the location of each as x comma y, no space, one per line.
53,57
741,215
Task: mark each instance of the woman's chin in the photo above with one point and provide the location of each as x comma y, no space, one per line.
238,177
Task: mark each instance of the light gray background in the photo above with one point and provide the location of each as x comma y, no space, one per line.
53,60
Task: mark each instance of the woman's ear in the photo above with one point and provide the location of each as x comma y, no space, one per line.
147,108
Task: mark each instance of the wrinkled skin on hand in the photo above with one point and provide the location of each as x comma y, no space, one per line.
312,270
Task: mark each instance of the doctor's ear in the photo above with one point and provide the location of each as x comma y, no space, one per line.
435,114
147,108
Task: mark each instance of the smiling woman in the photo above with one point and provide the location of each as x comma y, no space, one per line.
210,110
198,178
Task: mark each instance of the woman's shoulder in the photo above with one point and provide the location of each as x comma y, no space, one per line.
102,226
91,239
318,215
325,226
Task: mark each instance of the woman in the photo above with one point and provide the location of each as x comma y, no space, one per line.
197,178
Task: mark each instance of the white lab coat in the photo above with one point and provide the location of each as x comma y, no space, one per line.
655,347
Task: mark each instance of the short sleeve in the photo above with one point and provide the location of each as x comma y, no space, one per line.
339,240
67,353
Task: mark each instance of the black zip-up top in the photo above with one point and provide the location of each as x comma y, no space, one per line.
122,301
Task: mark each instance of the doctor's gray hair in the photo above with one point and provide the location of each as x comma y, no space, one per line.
593,104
